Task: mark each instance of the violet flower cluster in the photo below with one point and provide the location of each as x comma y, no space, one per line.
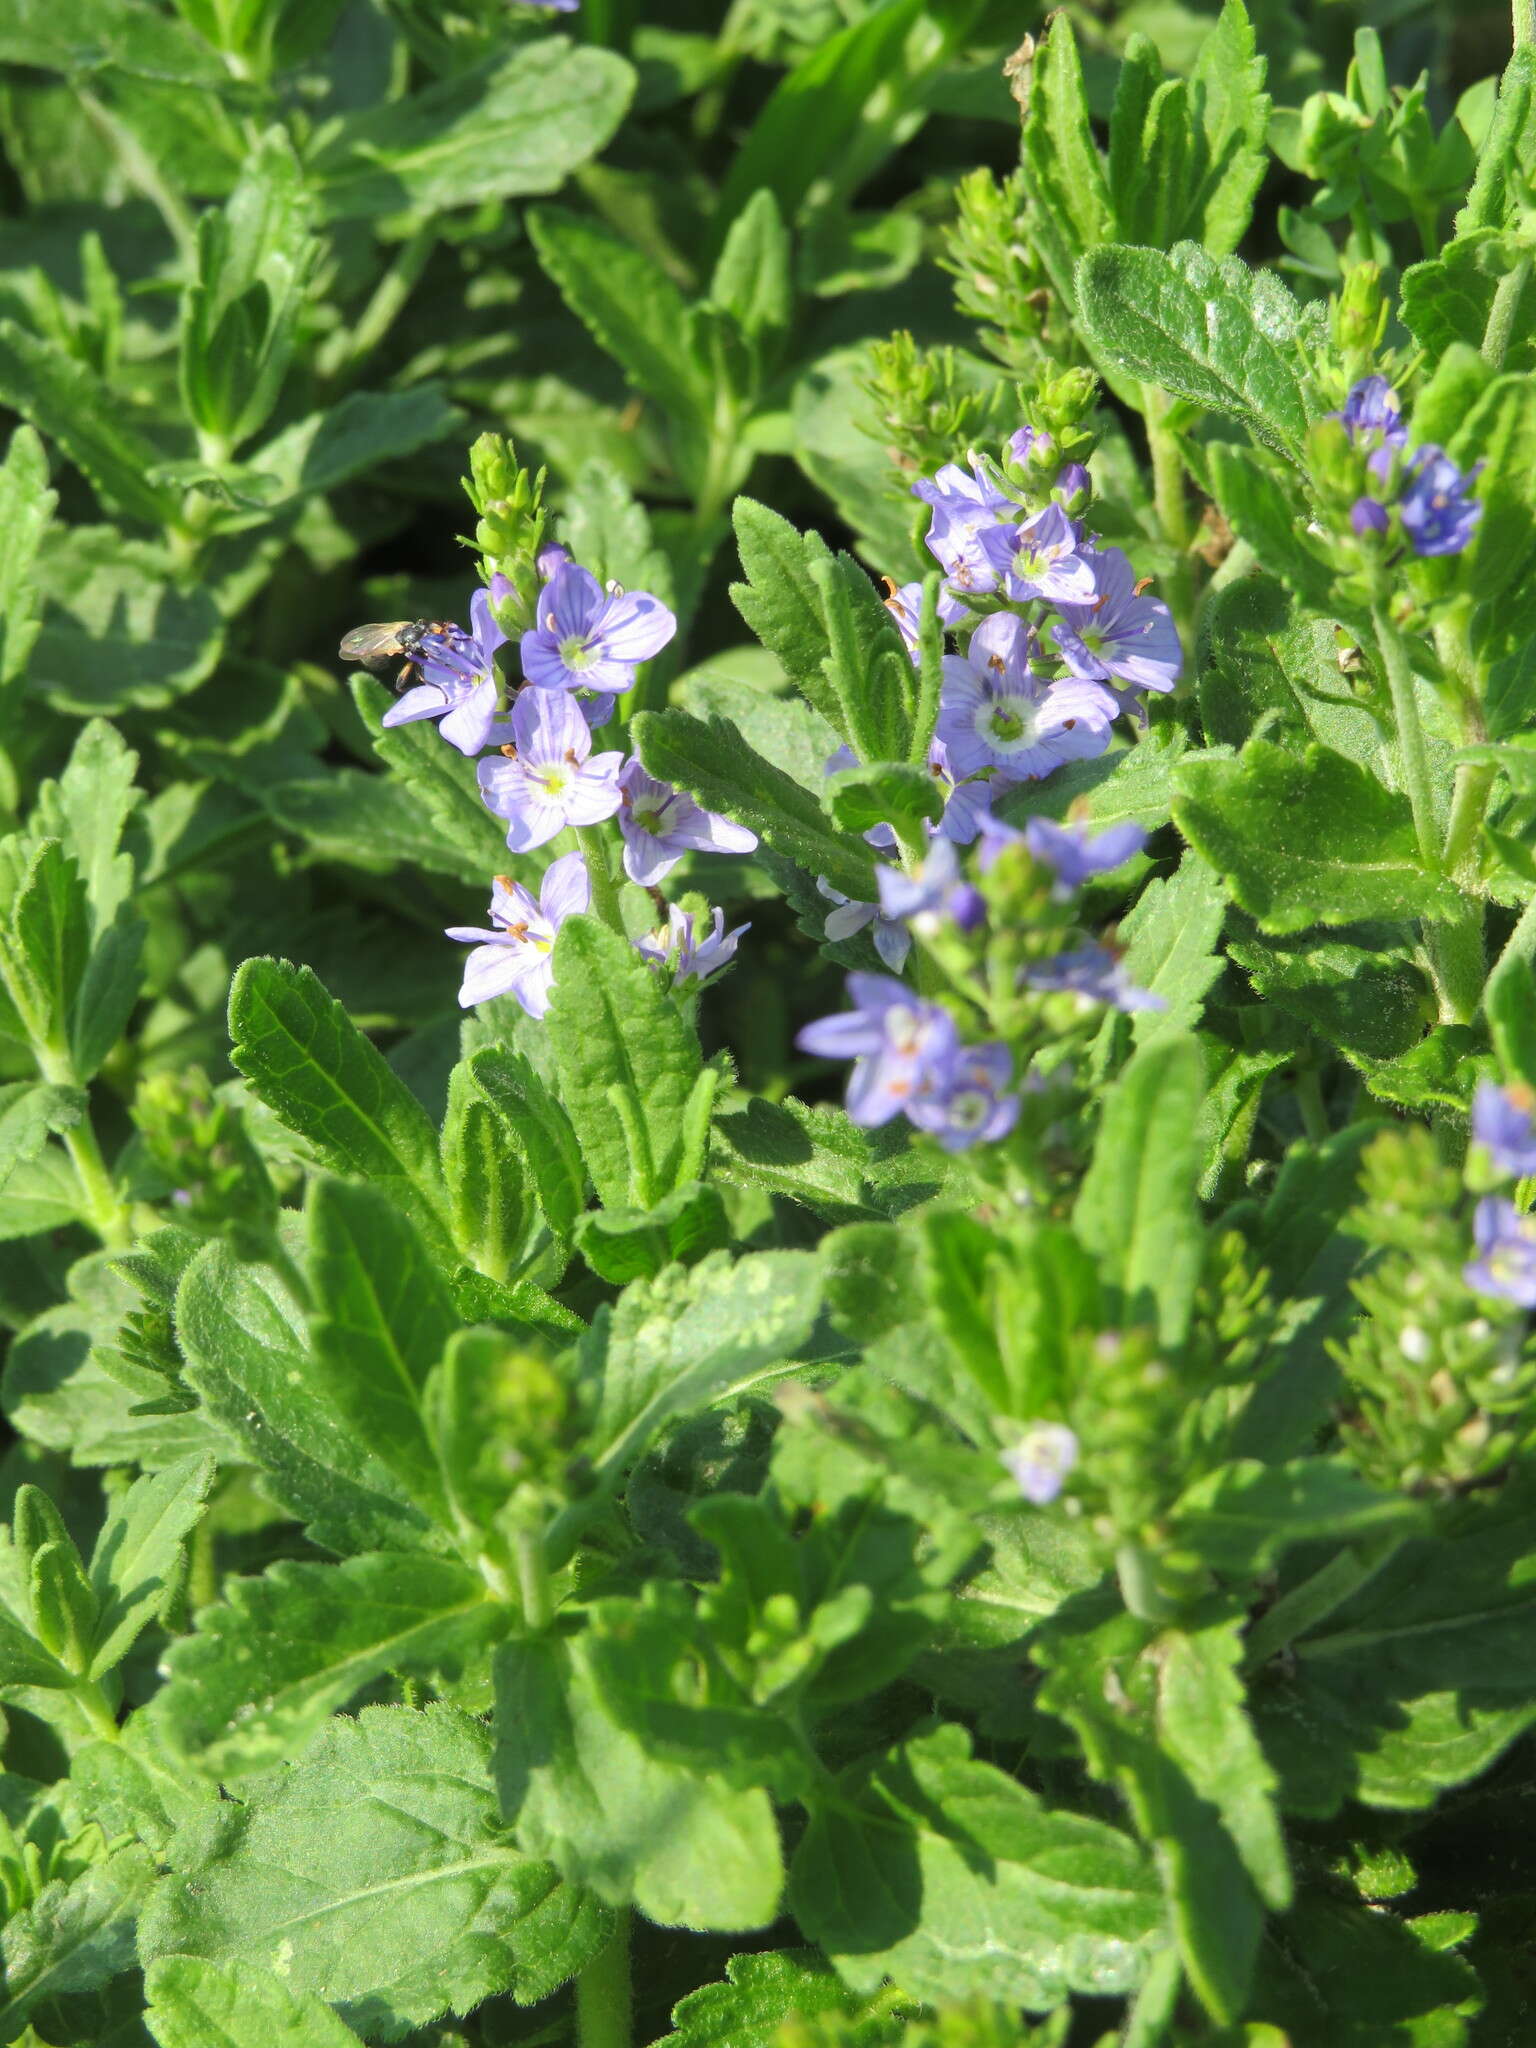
579,656
908,1058
1070,641
1430,496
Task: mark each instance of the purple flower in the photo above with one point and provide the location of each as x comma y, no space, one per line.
1076,853
1506,1241
965,508
660,824
1029,444
970,1108
690,957
550,559
902,1048
995,713
1371,415
1073,485
544,780
893,942
906,608
1502,1124
1438,515
589,638
967,802
1368,515
1043,557
515,959
1094,974
934,895
1119,633
459,683
1041,1461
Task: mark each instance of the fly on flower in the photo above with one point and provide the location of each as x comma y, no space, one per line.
377,647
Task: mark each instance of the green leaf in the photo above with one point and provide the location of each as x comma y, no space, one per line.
716,766
86,810
78,37
1160,1719
482,1166
688,1337
313,1068
946,1875
634,1244
1448,299
1128,783
1071,208
117,632
1306,839
632,309
265,1669
687,1849
1359,988
1419,1681
1501,431
890,793
71,406
751,281
781,603
76,1935
247,1356
1205,328
1266,509
616,1033
1338,1974
761,1993
29,1111
329,448
1137,1210
1226,92
134,1564
196,2004
394,1806
111,986
815,1156
383,1315
1244,1516
26,506
437,777
1262,659
1170,941
519,122
540,1129
48,942
1508,155
23,1660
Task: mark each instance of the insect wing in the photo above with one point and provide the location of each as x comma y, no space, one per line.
370,644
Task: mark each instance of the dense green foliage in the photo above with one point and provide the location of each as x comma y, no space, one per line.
524,1520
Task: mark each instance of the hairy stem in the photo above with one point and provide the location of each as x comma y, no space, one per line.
1172,504
605,896
1506,300
1313,1601
1410,735
603,2017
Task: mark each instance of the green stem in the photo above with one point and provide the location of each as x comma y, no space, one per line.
355,344
605,897
1474,785
1309,1100
533,1579
1524,19
1410,735
1313,1601
1506,300
603,2017
107,1216
98,1716
1454,947
1172,504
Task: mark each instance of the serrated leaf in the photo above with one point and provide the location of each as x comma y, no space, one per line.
76,1935
133,1565
613,1028
946,1875
760,1993
438,778
309,1063
1306,839
681,1340
247,1357
86,810
26,506
1170,940
29,1111
781,603
117,633
1072,210
1137,1210
1508,154
715,765
1207,329
397,1804
1266,510
634,1244
541,1131
68,402
1243,1516
266,1668
197,2004
685,1847
382,1318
